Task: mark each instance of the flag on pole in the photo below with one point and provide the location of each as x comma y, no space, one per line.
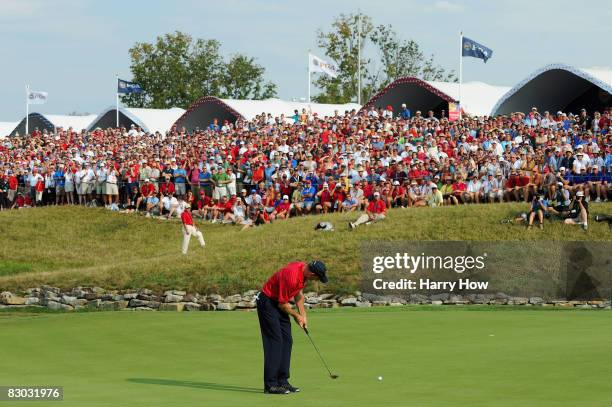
36,97
471,48
316,64
127,87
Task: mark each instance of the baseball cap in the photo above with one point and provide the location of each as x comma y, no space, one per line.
318,267
579,193
285,197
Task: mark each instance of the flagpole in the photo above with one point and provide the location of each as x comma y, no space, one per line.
460,71
27,127
359,57
309,76
117,100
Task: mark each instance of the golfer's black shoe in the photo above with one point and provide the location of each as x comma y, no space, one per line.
290,388
276,390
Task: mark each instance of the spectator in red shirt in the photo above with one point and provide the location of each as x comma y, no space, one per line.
325,199
274,310
376,212
282,210
189,229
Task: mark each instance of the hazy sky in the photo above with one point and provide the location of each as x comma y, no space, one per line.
73,48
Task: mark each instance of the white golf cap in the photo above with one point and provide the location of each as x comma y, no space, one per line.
376,193
285,197
579,193
395,182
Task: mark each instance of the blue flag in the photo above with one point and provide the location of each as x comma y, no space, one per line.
471,48
128,87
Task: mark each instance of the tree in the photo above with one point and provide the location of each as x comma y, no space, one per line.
176,71
341,46
238,80
396,57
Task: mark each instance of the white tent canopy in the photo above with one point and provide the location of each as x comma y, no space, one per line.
205,110
557,87
478,97
6,128
150,120
52,121
417,94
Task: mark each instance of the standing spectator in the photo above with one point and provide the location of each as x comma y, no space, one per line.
189,230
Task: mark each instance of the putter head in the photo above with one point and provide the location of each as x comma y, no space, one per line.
333,376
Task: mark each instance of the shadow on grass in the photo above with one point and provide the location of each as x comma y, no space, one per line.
195,385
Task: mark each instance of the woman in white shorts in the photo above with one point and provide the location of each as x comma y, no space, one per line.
69,187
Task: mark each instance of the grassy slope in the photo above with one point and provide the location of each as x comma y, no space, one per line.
77,246
427,358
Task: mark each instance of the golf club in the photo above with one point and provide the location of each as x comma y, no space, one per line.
333,376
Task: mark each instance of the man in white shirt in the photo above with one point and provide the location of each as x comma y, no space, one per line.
474,189
581,162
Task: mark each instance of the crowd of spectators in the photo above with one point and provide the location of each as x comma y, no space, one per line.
273,168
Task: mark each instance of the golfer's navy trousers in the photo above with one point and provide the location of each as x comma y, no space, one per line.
275,328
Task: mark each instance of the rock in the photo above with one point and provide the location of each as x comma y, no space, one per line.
66,299
313,300
122,304
395,304
247,304
173,306
58,306
32,301
80,302
191,306
598,303
93,304
32,292
349,302
190,298
144,309
47,288
439,297
108,306
436,302
326,296
91,296
98,290
226,306
10,299
215,297
536,300
363,304
564,305
518,301
145,291
130,296
329,304
173,298
233,298
379,303
455,299
179,292
419,299
250,293
207,306
143,303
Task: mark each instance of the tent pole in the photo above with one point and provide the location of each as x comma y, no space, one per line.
27,129
460,72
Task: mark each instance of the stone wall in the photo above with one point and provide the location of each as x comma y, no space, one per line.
98,299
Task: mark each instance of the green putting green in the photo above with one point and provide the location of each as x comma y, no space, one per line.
448,357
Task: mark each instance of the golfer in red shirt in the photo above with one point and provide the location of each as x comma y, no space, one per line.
189,229
273,310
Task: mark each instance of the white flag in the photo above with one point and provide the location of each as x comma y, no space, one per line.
37,98
319,65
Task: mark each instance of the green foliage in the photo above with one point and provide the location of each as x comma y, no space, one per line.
176,70
396,57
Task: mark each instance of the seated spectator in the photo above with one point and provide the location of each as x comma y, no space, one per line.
376,212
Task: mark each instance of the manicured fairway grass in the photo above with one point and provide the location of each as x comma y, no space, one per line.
450,357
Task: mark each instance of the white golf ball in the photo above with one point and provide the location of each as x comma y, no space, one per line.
379,377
